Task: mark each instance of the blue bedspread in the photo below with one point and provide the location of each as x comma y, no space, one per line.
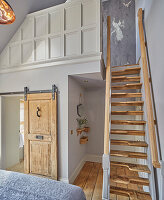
16,186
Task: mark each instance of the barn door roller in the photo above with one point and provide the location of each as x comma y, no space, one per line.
53,91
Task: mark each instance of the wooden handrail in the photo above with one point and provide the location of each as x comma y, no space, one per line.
108,95
149,104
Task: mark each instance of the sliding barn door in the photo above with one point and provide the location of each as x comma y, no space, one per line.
41,135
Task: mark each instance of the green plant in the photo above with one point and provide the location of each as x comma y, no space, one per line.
82,121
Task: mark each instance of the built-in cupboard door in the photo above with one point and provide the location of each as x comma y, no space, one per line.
41,135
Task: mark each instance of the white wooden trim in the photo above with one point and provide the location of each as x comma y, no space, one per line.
0,132
51,63
77,36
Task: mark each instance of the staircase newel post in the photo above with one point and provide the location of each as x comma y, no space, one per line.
106,176
162,180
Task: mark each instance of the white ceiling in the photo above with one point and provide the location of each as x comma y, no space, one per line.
90,81
21,9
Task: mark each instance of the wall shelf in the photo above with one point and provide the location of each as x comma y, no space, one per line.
84,140
80,130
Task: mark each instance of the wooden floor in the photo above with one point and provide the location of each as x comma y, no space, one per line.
90,179
17,168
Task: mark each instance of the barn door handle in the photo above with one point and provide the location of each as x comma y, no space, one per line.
37,112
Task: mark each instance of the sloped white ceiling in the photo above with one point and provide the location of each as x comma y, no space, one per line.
21,9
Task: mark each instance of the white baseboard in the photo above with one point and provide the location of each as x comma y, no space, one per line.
93,158
87,157
76,171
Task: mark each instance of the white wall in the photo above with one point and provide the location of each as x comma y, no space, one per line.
40,79
56,34
10,130
153,18
76,151
93,100
95,107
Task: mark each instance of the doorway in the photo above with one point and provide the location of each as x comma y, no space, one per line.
12,124
29,133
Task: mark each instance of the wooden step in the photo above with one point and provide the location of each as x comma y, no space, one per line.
127,112
128,103
128,122
126,95
129,180
125,79
128,71
127,86
132,167
127,132
125,65
132,194
129,143
128,154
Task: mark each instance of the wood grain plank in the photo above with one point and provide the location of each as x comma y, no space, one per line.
129,143
127,112
128,103
134,195
125,65
128,71
126,95
97,195
91,182
128,154
125,79
127,86
128,122
132,167
128,132
83,175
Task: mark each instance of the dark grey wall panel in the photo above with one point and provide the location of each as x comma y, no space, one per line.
123,34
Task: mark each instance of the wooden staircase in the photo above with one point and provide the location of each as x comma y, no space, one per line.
126,118
129,139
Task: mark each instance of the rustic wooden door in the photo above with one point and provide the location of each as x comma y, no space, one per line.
40,121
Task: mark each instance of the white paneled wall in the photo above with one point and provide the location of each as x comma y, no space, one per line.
64,32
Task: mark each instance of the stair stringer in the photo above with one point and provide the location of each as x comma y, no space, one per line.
147,162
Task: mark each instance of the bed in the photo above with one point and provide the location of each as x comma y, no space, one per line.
17,186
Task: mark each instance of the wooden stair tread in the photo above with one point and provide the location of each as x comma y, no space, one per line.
133,194
128,154
128,103
127,112
127,132
127,86
125,79
125,65
128,122
128,71
129,143
126,95
132,167
129,180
